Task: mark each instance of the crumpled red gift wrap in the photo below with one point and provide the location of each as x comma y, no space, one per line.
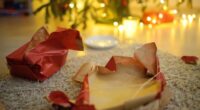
60,100
190,59
44,54
144,61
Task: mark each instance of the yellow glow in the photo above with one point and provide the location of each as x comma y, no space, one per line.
193,15
121,28
148,18
165,7
160,15
173,11
175,21
150,26
81,53
102,5
104,14
190,18
141,24
130,26
71,5
183,16
162,1
102,43
130,17
154,21
184,22
115,23
80,5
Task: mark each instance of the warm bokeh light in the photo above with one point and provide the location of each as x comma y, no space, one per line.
71,5
130,26
104,15
165,7
148,18
162,1
115,23
81,53
160,15
121,27
141,24
193,15
154,21
150,26
183,16
173,11
102,5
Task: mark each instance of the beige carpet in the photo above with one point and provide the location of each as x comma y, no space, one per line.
20,94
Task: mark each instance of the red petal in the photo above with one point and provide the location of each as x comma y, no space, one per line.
161,78
59,98
83,97
146,55
190,59
111,65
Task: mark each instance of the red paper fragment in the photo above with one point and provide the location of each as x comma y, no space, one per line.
111,65
144,60
44,55
83,97
59,98
146,55
190,59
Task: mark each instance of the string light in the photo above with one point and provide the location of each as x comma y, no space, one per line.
71,5
148,18
104,14
165,7
193,15
162,1
154,21
141,24
183,16
115,23
160,15
173,11
121,28
184,22
102,5
190,18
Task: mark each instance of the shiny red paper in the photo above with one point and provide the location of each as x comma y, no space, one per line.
44,55
60,101
190,59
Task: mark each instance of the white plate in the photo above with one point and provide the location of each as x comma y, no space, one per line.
101,42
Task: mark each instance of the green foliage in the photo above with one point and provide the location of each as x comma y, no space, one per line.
114,10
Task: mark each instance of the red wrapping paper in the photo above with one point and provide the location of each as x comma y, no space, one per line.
44,55
190,59
144,59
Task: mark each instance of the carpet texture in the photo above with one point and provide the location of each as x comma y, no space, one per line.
19,94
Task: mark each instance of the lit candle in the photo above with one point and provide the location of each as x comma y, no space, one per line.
120,32
130,27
